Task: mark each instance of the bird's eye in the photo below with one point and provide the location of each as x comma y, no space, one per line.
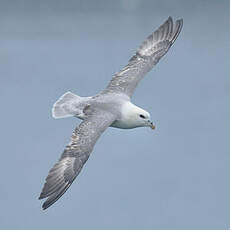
142,116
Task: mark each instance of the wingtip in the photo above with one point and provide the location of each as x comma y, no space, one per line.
46,204
180,25
169,20
44,207
41,197
177,29
180,21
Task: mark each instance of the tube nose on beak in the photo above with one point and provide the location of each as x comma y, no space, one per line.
151,125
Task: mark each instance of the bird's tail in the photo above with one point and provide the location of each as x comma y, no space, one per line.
66,106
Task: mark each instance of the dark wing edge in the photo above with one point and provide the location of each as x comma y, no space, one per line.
148,54
161,38
63,173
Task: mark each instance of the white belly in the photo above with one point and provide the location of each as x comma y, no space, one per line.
123,125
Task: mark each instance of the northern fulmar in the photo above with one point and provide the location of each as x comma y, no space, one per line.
111,107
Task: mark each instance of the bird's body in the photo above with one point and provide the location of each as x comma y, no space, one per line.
112,107
127,114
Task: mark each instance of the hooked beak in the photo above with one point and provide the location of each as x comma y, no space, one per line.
151,125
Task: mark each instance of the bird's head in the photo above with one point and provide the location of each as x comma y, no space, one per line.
134,116
144,119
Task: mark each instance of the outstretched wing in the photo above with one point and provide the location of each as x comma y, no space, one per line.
75,155
148,55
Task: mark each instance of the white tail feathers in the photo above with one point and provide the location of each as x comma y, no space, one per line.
66,105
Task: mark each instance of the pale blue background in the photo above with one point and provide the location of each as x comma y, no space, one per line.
176,177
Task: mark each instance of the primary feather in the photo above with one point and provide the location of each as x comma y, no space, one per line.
84,137
148,54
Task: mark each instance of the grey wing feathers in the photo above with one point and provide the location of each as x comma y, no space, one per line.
148,54
164,36
75,155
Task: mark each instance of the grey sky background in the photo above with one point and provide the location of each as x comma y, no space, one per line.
176,177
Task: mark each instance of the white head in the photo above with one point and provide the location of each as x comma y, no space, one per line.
133,116
143,118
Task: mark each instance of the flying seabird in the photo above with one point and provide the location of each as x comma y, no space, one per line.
111,107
